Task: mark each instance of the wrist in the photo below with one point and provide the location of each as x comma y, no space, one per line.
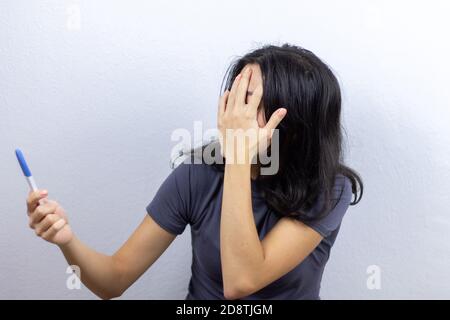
239,171
67,245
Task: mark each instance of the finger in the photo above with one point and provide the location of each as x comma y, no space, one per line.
223,103
33,199
45,223
243,86
255,99
232,95
275,119
41,211
53,230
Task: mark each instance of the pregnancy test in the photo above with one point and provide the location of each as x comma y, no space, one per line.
27,173
26,170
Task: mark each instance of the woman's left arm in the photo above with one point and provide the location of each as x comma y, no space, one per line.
249,264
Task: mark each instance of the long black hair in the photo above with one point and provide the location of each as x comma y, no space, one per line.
310,135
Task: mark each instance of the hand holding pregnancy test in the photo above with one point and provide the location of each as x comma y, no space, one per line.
46,217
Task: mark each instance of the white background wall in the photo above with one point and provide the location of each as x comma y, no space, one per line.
92,105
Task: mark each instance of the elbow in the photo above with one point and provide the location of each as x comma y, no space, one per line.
237,290
232,295
117,288
108,295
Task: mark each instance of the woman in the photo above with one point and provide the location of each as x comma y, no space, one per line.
254,236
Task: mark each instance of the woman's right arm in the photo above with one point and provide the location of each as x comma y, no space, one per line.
106,276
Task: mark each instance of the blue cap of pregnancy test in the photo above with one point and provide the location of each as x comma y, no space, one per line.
23,163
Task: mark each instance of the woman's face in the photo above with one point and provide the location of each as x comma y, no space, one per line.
255,81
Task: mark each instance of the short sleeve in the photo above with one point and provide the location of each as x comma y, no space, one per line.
341,199
170,207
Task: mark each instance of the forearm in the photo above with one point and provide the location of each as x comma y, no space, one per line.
241,250
99,272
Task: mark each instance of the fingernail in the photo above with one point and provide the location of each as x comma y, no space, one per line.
44,192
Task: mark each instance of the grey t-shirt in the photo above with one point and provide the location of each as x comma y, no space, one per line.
192,194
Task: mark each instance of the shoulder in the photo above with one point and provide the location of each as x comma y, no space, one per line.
342,189
340,198
340,195
204,183
199,175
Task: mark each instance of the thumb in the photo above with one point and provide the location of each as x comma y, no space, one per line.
276,118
